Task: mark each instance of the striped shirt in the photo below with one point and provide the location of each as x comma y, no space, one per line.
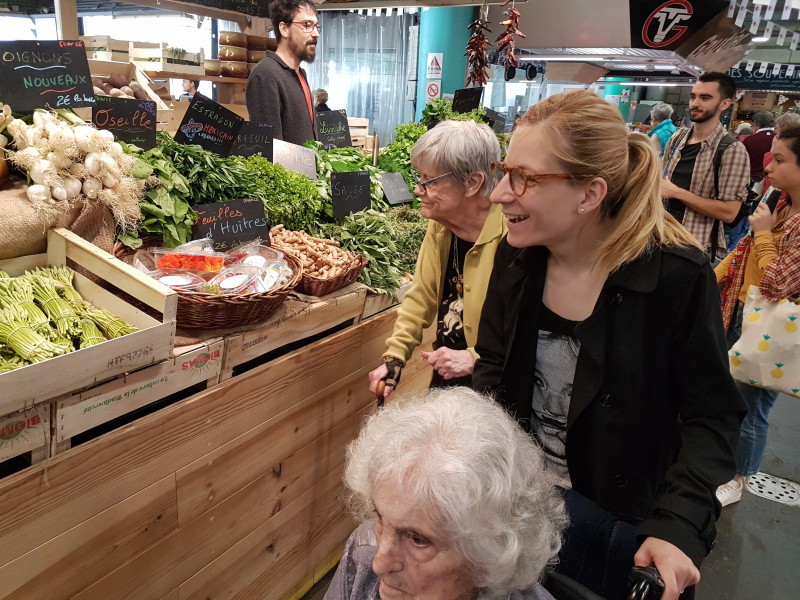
734,177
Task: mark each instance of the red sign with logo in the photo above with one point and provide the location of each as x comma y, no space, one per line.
665,25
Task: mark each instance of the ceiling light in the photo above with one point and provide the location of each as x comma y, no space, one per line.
649,67
675,71
760,40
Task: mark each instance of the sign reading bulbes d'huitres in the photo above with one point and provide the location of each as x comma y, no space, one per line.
45,75
209,125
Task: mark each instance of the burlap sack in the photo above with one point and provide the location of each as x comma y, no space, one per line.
23,230
95,224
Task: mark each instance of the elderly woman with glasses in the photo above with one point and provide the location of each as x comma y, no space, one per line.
602,333
454,163
455,504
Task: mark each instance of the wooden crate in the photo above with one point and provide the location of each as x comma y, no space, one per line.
375,303
333,309
105,68
119,49
25,431
160,56
189,366
359,130
33,384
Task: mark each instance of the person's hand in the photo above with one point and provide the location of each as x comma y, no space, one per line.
676,569
762,219
389,372
450,364
377,375
669,189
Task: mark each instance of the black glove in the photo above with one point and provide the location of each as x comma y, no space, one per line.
394,367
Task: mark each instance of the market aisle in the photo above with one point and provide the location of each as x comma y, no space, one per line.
757,551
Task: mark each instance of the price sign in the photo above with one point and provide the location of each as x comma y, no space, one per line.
254,138
349,193
131,121
295,158
210,125
229,224
45,75
467,99
333,130
395,188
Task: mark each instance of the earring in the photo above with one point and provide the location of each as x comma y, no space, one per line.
581,210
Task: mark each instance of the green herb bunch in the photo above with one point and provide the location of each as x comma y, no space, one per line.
396,157
290,198
409,229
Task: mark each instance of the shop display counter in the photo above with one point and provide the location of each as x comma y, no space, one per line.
234,492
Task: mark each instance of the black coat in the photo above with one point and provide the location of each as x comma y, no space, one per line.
654,416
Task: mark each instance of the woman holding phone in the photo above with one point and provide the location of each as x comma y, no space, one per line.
770,258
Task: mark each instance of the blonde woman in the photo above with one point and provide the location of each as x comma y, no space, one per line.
602,332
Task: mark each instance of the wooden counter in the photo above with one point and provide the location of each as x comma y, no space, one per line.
232,493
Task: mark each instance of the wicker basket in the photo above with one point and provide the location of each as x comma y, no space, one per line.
202,310
314,286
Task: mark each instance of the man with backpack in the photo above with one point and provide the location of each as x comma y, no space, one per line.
706,170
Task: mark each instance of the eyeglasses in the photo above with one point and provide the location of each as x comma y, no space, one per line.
519,179
424,184
307,26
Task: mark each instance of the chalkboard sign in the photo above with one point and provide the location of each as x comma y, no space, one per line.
45,75
467,99
395,188
332,129
210,125
131,121
295,158
495,120
349,193
231,223
254,138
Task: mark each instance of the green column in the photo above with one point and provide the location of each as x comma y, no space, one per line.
624,92
443,30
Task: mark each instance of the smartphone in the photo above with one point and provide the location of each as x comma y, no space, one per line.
772,200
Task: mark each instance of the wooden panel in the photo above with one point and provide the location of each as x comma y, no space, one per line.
376,330
40,502
287,528
80,412
331,311
328,529
24,431
182,554
70,562
217,475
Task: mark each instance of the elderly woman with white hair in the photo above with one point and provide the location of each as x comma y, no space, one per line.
456,503
660,116
455,260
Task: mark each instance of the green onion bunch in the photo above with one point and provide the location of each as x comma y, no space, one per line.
59,310
18,292
27,344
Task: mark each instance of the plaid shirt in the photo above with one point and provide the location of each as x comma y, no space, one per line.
734,177
781,278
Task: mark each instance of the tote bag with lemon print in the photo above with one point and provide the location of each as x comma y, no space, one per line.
768,353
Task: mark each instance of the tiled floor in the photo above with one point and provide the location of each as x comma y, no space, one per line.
758,541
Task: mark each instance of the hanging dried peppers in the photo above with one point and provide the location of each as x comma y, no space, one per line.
476,50
506,39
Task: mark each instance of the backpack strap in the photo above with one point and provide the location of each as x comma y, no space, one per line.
724,144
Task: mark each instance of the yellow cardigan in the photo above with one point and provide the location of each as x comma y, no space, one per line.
420,306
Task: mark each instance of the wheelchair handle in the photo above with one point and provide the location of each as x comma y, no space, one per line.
645,583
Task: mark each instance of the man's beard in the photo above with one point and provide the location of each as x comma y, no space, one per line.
305,51
704,116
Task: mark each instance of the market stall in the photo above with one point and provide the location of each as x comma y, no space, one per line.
186,329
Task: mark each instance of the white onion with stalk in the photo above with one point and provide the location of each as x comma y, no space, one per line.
39,193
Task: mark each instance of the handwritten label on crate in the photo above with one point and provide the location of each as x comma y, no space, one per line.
349,193
295,158
254,138
332,129
131,121
229,224
45,75
395,188
210,125
467,99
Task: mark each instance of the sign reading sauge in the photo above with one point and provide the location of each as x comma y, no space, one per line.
349,193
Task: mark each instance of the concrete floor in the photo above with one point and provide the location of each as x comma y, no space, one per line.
758,541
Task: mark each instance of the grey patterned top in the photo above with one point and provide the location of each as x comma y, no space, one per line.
355,579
